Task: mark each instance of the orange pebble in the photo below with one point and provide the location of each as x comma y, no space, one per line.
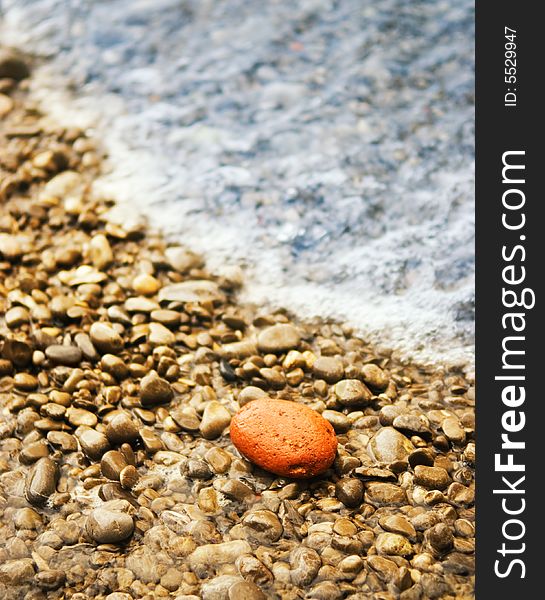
286,438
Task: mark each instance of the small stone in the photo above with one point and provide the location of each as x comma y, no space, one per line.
374,377
105,338
263,527
431,477
305,564
215,419
32,452
286,438
205,559
17,572
191,291
41,481
389,445
27,518
250,393
382,494
83,342
187,419
219,460
100,251
12,66
51,579
349,491
146,284
328,368
121,428
17,316
453,430
140,304
182,260
245,590
412,425
154,390
393,544
340,422
81,417
93,443
112,463
352,392
169,318
440,537
421,456
129,477
106,526
25,382
278,339
69,356
115,366
159,335
398,524
18,353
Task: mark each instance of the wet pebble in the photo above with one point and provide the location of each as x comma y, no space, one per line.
106,526
278,339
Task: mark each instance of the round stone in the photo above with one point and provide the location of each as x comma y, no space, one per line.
93,443
121,428
329,368
146,284
389,445
105,338
278,338
106,526
374,377
215,419
286,438
250,393
352,392
349,491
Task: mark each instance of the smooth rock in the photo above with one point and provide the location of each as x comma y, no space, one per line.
389,445
154,390
41,481
328,368
431,477
106,526
105,338
191,291
121,428
93,443
352,392
205,559
69,356
215,419
278,339
374,377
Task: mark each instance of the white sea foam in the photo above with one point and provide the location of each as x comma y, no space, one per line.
326,147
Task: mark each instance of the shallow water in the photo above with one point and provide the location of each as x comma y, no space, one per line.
325,146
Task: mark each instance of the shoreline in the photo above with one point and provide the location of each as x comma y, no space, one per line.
394,516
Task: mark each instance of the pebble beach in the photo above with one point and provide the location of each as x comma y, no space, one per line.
127,468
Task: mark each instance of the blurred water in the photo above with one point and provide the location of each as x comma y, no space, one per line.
325,145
